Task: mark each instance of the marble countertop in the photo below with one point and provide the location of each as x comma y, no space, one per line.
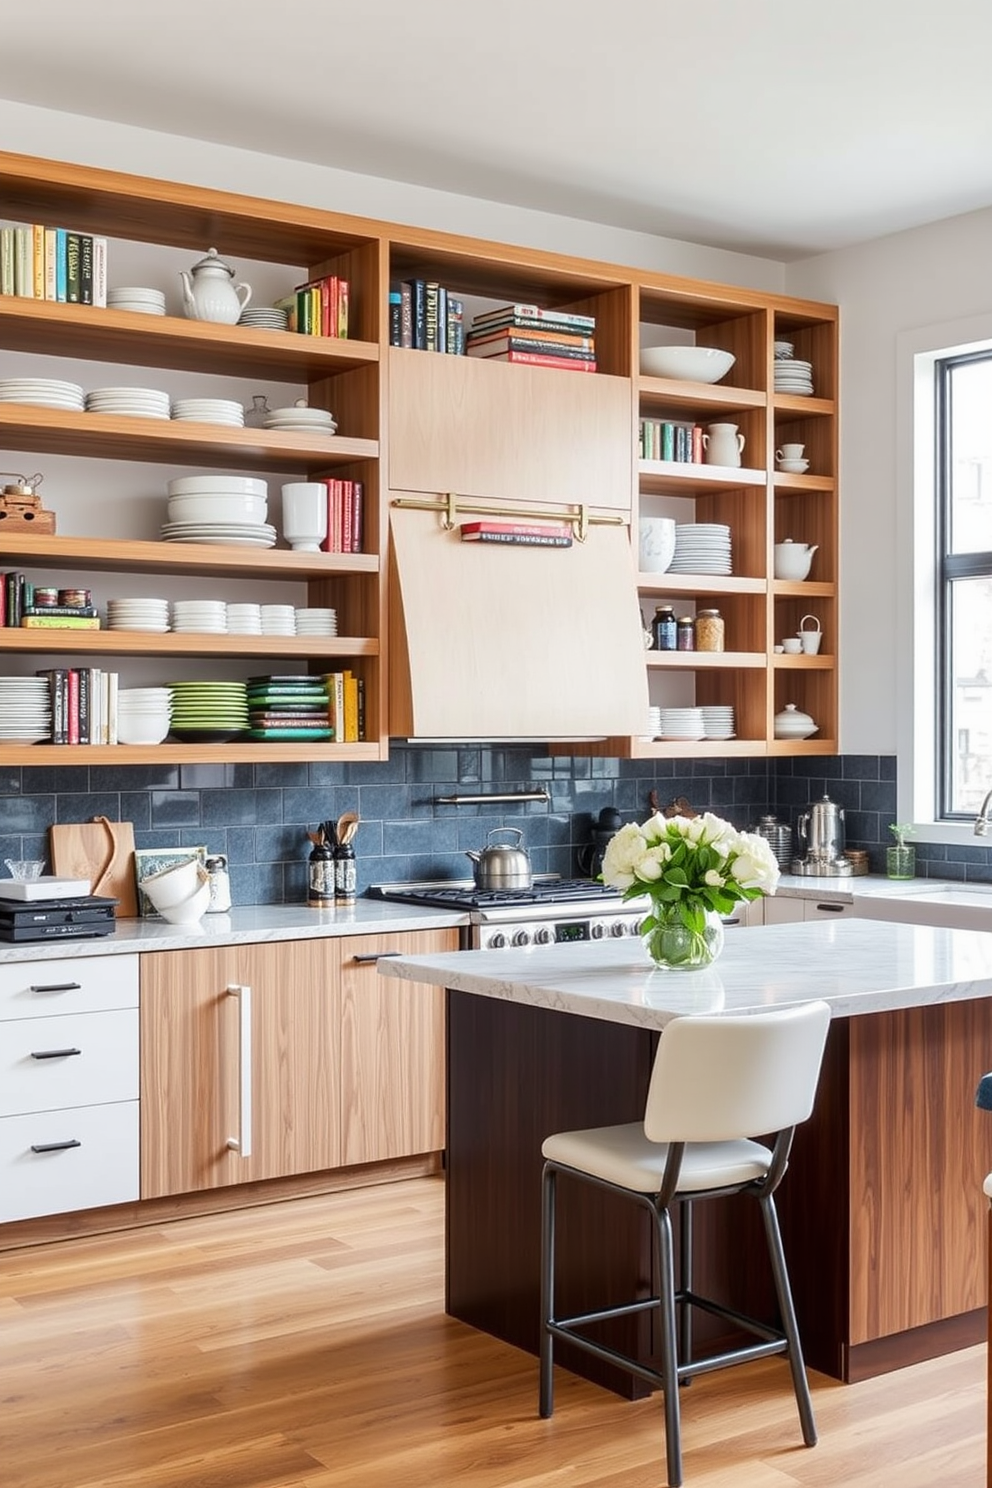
251,923
857,966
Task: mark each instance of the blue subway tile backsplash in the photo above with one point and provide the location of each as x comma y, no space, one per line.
259,815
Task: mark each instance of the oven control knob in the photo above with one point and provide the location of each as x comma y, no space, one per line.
597,930
544,936
617,929
496,941
521,938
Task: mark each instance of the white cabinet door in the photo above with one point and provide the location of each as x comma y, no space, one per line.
782,911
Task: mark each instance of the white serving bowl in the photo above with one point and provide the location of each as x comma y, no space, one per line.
692,363
188,911
142,728
170,886
229,507
212,485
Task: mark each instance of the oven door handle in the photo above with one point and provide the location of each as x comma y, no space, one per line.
362,958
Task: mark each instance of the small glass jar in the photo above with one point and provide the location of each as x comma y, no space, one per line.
709,630
686,633
663,628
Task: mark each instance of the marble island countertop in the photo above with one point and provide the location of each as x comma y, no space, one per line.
858,966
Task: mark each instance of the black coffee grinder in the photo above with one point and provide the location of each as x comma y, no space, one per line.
590,858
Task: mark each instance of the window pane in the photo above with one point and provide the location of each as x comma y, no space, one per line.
970,427
969,736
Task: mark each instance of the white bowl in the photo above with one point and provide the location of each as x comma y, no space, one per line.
212,485
694,363
170,886
188,911
229,507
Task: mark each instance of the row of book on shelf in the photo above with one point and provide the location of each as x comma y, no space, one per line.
53,263
659,439
17,607
318,308
424,316
84,704
345,516
346,706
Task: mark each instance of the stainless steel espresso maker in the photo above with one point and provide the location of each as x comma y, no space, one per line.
820,830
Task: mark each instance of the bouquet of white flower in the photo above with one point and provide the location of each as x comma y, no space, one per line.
693,869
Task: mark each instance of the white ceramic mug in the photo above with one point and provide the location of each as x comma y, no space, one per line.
304,515
656,543
790,452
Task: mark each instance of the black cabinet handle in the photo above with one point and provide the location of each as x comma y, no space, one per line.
55,1146
57,987
832,908
362,958
54,1053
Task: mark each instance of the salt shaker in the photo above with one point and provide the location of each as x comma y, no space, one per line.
220,884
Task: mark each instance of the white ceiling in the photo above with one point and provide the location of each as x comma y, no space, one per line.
778,127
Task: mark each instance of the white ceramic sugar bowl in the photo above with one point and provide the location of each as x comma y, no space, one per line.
210,293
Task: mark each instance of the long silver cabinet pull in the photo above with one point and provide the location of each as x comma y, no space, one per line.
56,987
362,958
54,1053
242,1142
55,1146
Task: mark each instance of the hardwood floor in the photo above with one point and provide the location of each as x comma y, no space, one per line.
304,1345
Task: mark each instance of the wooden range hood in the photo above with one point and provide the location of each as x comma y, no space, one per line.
495,641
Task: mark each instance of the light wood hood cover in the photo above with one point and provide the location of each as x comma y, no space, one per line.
490,640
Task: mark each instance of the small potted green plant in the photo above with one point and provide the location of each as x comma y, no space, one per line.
900,860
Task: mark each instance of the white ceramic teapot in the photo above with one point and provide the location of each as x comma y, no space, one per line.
793,559
209,291
723,444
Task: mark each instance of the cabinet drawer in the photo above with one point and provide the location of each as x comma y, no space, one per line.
101,1167
77,984
47,1064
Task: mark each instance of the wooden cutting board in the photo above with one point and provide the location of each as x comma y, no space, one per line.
102,851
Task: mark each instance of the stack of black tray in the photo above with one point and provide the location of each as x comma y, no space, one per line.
56,919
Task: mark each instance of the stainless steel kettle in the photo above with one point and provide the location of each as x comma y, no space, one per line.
500,865
821,830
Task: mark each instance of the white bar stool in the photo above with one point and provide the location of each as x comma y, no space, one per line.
717,1083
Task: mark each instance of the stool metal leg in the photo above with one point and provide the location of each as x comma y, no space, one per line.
669,1356
685,1280
547,1388
790,1327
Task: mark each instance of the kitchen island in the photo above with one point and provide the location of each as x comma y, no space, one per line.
882,1211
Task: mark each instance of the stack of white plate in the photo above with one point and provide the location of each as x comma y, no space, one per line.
265,317
718,722
228,509
654,722
278,619
138,614
682,723
25,709
208,712
244,619
136,402
46,392
793,376
702,548
317,622
228,534
143,714
144,301
209,411
191,616
301,420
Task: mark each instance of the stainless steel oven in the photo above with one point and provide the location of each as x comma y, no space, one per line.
552,911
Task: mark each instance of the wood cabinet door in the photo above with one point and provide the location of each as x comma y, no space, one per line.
392,1050
207,1122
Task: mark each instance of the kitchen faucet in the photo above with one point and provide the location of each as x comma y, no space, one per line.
982,819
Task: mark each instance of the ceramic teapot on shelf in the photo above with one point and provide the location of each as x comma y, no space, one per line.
793,559
210,293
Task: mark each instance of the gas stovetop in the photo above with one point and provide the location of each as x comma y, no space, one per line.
455,894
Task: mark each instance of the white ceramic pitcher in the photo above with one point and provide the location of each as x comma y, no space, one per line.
722,444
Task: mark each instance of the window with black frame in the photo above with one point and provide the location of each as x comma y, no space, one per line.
963,483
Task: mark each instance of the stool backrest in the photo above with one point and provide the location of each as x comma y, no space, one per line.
720,1078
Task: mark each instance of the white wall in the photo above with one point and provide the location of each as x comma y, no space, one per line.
885,289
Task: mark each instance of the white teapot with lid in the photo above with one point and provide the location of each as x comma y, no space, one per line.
209,291
793,559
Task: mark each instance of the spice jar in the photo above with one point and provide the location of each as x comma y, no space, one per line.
686,633
663,628
709,630
320,877
344,873
220,884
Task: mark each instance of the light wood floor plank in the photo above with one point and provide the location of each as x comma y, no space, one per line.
304,1345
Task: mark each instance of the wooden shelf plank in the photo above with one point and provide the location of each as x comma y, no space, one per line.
788,485
180,558
98,334
661,477
17,641
809,407
172,752
695,749
172,441
665,392
694,661
669,583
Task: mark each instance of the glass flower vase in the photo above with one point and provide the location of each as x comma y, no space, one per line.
675,946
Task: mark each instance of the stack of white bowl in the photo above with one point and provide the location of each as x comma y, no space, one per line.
244,619
150,615
218,509
143,714
193,616
316,621
209,411
278,619
179,893
143,301
301,419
